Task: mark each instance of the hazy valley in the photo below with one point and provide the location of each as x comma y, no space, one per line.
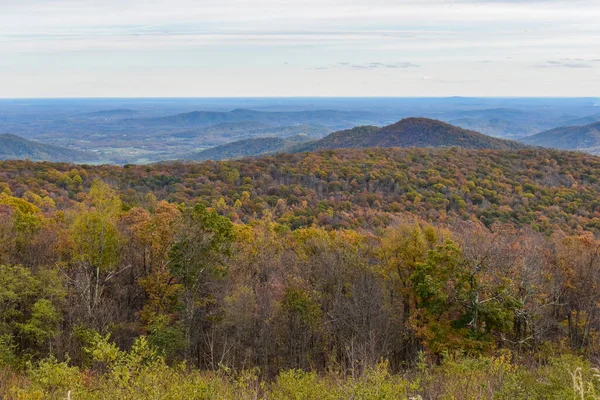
145,131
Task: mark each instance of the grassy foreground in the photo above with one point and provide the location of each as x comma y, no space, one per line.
142,374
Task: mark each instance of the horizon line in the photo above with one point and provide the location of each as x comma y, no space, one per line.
292,97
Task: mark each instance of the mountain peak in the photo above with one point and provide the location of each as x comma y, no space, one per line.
412,132
416,121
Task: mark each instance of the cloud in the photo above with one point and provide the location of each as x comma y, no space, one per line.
378,65
566,63
95,42
33,14
123,25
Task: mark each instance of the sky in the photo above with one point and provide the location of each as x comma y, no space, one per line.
238,48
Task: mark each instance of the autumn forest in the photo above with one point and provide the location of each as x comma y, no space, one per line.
365,274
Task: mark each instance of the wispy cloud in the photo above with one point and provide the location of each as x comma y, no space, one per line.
378,65
366,66
123,25
577,63
255,43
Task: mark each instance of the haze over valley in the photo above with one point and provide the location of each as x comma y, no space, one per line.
150,130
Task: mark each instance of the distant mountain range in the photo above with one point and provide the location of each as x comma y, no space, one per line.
14,147
140,131
585,138
410,132
205,118
253,138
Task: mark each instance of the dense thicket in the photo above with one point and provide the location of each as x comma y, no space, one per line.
250,266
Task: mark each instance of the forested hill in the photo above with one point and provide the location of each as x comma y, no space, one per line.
411,132
14,147
240,148
545,189
247,148
586,137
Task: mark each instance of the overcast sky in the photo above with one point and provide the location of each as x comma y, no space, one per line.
163,48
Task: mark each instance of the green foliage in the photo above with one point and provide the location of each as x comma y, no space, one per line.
94,229
564,377
141,374
168,339
300,305
378,383
29,309
205,239
300,385
43,323
430,278
8,350
453,313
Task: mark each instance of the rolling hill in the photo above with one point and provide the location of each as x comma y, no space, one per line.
14,147
586,138
410,132
587,120
248,148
